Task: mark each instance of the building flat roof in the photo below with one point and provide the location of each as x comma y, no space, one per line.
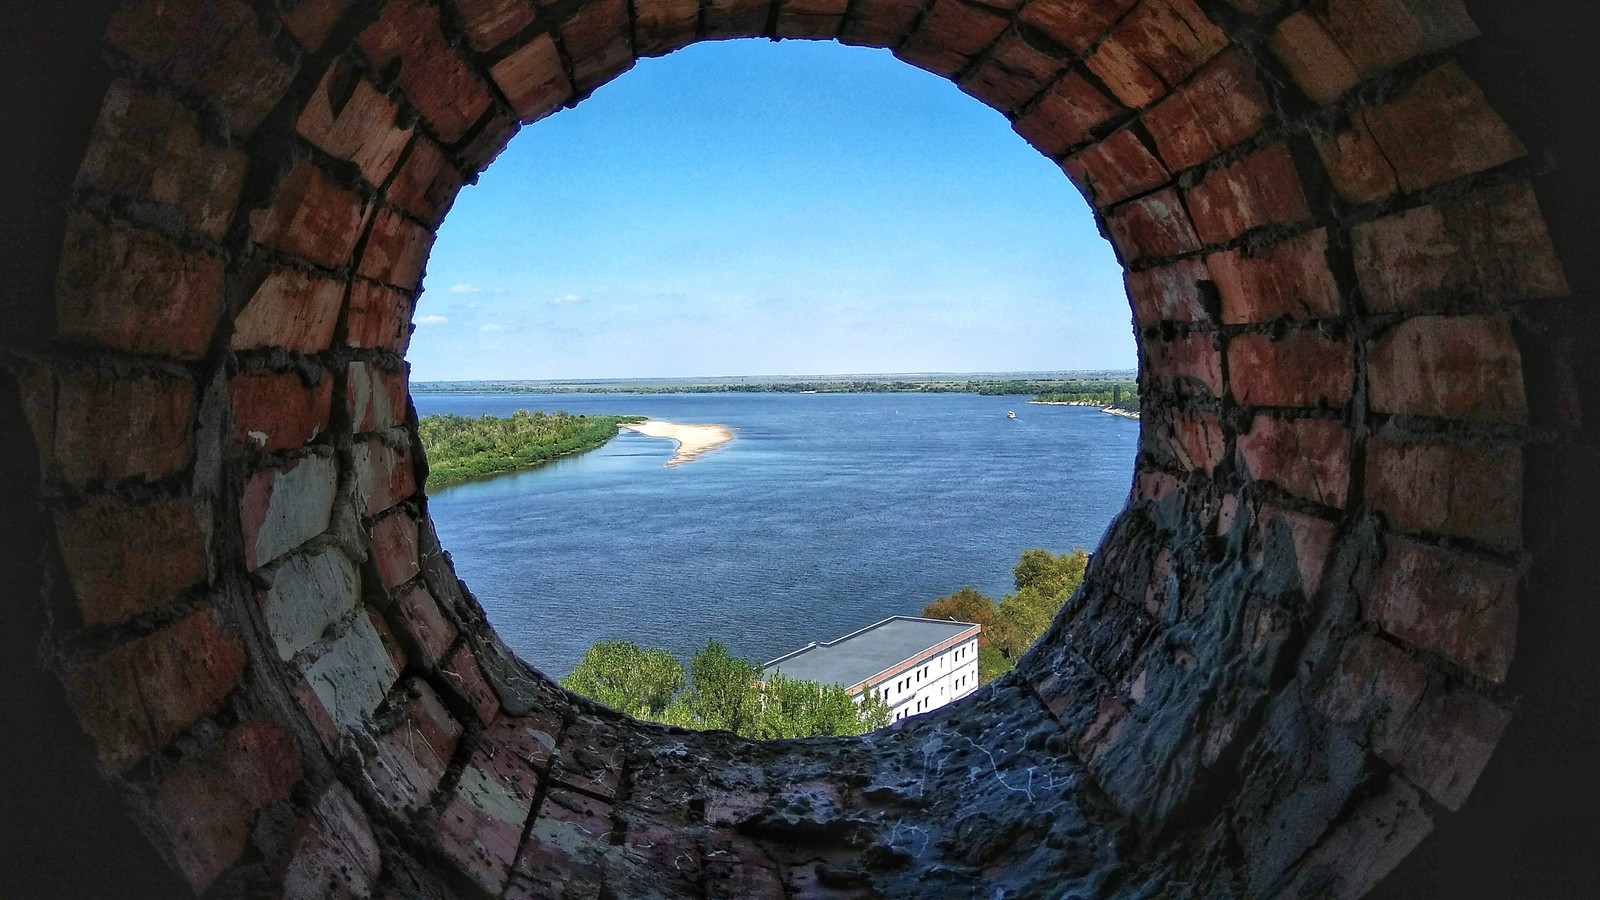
878,648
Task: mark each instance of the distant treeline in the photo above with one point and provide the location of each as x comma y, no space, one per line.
1121,394
937,384
459,447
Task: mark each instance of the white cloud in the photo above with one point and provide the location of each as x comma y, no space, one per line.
564,299
431,320
465,289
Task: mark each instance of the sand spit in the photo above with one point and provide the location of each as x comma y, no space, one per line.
692,440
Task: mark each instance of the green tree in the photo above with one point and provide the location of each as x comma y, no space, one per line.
627,677
965,605
1048,573
724,690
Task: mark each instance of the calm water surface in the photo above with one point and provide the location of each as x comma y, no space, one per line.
826,513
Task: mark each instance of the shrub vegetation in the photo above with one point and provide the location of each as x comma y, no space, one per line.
459,447
1044,582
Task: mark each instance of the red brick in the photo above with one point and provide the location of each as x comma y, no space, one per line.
434,633
125,558
1441,128
396,250
1444,744
1255,8
350,119
293,310
1011,74
1309,458
1363,845
567,841
1302,368
1151,485
1316,62
426,183
1170,293
107,426
277,410
335,852
376,399
879,23
384,475
1074,25
481,826
1116,168
136,698
208,806
533,79
746,18
311,217
398,657
407,763
1310,540
1355,163
1152,227
1193,440
310,21
489,141
590,758
1181,364
433,77
1447,602
1221,106
1380,34
1437,488
1289,279
817,19
1064,115
1161,42
134,290
148,147
1259,190
597,40
283,508
1490,245
490,23
663,25
235,67
394,548
950,34
380,317
464,676
1374,681
1454,367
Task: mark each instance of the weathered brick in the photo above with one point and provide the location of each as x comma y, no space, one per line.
134,290
435,80
461,671
1444,744
533,79
1116,168
1289,279
1308,538
1151,485
351,673
950,35
1316,62
311,217
1355,163
1159,43
208,806
1374,683
236,67
105,426
1302,368
384,475
1191,440
1364,845
1454,367
746,18
380,317
1064,115
277,410
1441,128
308,593
589,758
1074,25
567,841
396,250
1438,488
1011,74
817,19
663,25
293,310
1309,458
490,23
1222,105
352,120
433,632
1448,602
407,763
283,508
136,698
1176,292
1152,227
375,398
879,23
482,824
125,558
488,141
597,40
335,852
1490,245
426,183
1182,364
1380,34
394,548
148,147
1260,189
311,21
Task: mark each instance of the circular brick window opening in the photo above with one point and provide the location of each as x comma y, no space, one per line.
1288,657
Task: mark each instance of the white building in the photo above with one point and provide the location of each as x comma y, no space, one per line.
915,664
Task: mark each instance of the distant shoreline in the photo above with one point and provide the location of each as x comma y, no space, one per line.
983,383
692,440
1108,410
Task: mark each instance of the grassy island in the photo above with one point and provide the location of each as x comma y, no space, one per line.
1113,393
459,447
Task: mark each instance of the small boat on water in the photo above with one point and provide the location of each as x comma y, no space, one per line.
1011,414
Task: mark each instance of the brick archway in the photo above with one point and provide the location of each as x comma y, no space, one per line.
1291,655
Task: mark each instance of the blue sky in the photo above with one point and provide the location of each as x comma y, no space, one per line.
760,208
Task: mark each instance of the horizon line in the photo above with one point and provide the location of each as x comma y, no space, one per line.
783,376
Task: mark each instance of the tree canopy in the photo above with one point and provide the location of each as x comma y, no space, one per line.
1044,581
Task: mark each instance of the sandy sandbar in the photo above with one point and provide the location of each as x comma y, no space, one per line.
692,440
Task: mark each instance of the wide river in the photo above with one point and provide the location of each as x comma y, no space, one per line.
826,513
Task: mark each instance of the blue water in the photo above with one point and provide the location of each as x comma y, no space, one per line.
826,513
